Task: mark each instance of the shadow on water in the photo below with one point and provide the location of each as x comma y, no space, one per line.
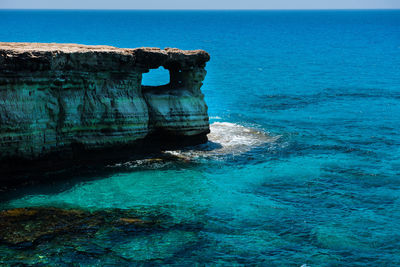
53,182
228,143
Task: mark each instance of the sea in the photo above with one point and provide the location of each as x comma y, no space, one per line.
302,167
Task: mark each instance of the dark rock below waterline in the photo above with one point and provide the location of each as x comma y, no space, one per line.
28,226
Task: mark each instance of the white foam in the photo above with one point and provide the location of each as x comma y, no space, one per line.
226,138
234,136
150,163
215,118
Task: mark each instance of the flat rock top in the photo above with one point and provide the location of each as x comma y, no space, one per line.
148,57
56,47
79,48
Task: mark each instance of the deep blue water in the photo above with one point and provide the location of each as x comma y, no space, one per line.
325,190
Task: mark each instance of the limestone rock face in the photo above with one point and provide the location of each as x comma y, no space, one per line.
178,107
54,97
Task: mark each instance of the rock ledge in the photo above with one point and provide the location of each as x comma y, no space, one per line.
65,100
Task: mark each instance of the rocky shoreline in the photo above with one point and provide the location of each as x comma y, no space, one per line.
61,104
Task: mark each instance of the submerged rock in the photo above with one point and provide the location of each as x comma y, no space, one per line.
28,226
60,102
48,236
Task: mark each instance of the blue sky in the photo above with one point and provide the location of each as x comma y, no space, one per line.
200,4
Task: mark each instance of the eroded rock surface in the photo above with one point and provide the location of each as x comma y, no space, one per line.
55,98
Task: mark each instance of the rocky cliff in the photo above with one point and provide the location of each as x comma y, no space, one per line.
66,99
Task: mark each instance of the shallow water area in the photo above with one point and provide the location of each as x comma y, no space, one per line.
109,224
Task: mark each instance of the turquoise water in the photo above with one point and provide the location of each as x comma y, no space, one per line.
305,106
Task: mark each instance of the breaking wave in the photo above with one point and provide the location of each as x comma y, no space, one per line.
226,138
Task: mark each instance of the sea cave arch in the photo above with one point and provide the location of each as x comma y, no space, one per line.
156,77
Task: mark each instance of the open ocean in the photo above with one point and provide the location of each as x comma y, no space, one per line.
306,107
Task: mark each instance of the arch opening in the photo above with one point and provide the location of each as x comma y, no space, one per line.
156,77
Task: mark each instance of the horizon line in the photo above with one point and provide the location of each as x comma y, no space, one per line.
194,9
